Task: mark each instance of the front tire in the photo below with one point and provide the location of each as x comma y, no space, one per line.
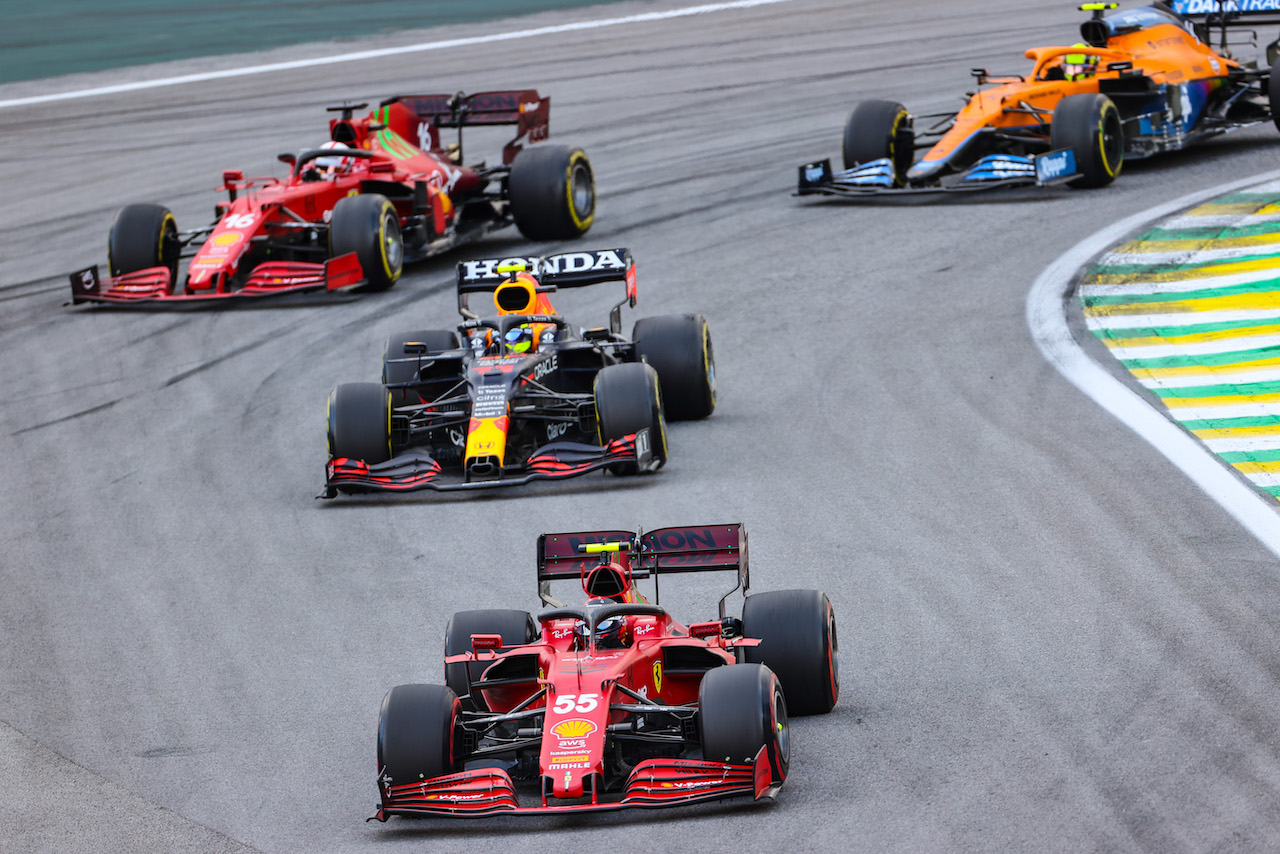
1089,124
678,346
876,130
552,192
143,236
369,226
416,728
360,422
741,708
798,642
516,627
628,400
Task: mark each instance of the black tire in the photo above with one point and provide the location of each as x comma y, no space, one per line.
552,192
797,632
879,129
1273,92
437,341
360,422
416,733
628,399
143,236
1089,124
741,708
369,226
516,627
678,346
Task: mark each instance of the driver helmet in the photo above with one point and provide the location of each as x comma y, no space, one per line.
331,165
1078,66
613,633
519,339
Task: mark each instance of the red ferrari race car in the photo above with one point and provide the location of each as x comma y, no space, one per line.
612,704
522,395
380,192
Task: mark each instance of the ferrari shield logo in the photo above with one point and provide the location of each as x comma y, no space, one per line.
657,677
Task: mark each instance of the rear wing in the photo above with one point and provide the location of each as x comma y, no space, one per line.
524,108
665,551
566,270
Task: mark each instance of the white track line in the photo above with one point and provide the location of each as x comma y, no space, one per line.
1046,315
1187,318
389,51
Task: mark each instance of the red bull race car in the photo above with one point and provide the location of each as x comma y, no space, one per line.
612,704
1145,80
381,191
521,395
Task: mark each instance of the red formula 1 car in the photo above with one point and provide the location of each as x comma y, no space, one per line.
612,704
381,191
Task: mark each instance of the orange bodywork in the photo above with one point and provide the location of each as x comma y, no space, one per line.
1166,53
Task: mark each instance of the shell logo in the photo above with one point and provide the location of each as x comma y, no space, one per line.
574,729
228,238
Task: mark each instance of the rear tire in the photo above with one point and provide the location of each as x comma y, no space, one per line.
741,709
798,641
516,627
628,400
678,346
1273,92
876,130
437,341
369,226
416,733
1089,124
360,422
552,192
144,235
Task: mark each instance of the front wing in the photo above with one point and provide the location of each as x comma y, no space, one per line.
996,170
267,279
652,783
414,470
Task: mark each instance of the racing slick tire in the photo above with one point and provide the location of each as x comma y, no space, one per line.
416,733
1089,124
678,346
437,341
741,708
369,226
628,399
798,642
876,130
552,192
360,422
516,627
144,235
1273,92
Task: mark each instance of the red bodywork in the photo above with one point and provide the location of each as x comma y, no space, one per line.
270,236
581,697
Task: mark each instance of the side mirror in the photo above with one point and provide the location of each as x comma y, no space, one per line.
287,157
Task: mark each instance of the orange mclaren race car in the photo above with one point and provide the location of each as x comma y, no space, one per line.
612,704
1146,80
380,191
522,395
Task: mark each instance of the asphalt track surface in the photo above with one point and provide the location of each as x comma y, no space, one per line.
1051,640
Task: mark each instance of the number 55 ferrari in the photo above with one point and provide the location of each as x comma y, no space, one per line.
614,703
